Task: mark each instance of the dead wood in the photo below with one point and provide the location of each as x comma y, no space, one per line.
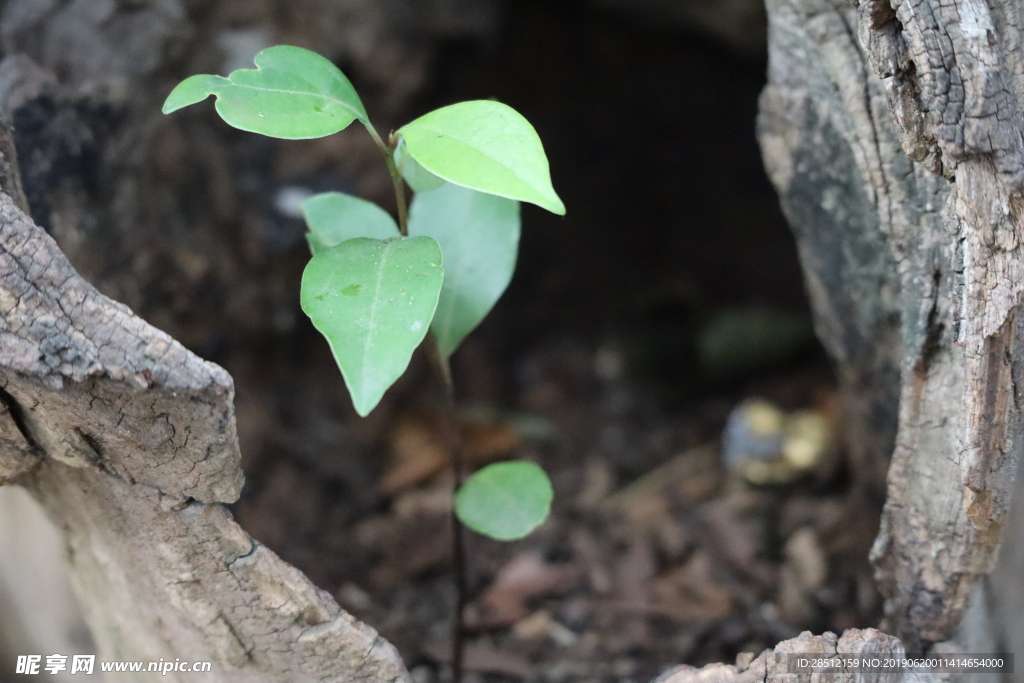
893,134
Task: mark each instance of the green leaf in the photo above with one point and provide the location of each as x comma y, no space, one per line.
479,237
486,146
293,94
373,300
506,500
334,217
192,90
418,178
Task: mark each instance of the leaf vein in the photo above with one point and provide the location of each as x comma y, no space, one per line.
319,93
372,323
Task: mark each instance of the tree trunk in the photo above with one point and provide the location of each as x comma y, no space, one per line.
893,135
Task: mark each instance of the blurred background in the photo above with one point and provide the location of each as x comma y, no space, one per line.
654,352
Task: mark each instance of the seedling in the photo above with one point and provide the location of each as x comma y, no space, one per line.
377,288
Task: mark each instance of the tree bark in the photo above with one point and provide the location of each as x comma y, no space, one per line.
893,135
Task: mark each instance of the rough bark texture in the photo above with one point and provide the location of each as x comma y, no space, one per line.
135,448
894,139
773,664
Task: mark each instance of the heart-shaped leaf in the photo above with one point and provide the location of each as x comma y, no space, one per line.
293,94
334,217
486,146
479,237
373,300
506,500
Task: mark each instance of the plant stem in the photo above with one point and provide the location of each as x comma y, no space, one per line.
454,441
388,150
443,371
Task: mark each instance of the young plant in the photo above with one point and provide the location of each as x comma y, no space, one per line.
377,288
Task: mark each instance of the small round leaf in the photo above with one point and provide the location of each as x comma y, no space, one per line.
506,500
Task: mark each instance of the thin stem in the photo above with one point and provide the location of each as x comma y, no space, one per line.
443,371
444,374
462,592
396,179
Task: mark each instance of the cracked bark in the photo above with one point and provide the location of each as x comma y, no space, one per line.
128,441
894,136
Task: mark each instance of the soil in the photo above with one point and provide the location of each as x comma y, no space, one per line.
655,553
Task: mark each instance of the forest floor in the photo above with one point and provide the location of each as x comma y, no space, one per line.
656,552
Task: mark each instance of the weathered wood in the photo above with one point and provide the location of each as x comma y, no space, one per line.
140,451
899,166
